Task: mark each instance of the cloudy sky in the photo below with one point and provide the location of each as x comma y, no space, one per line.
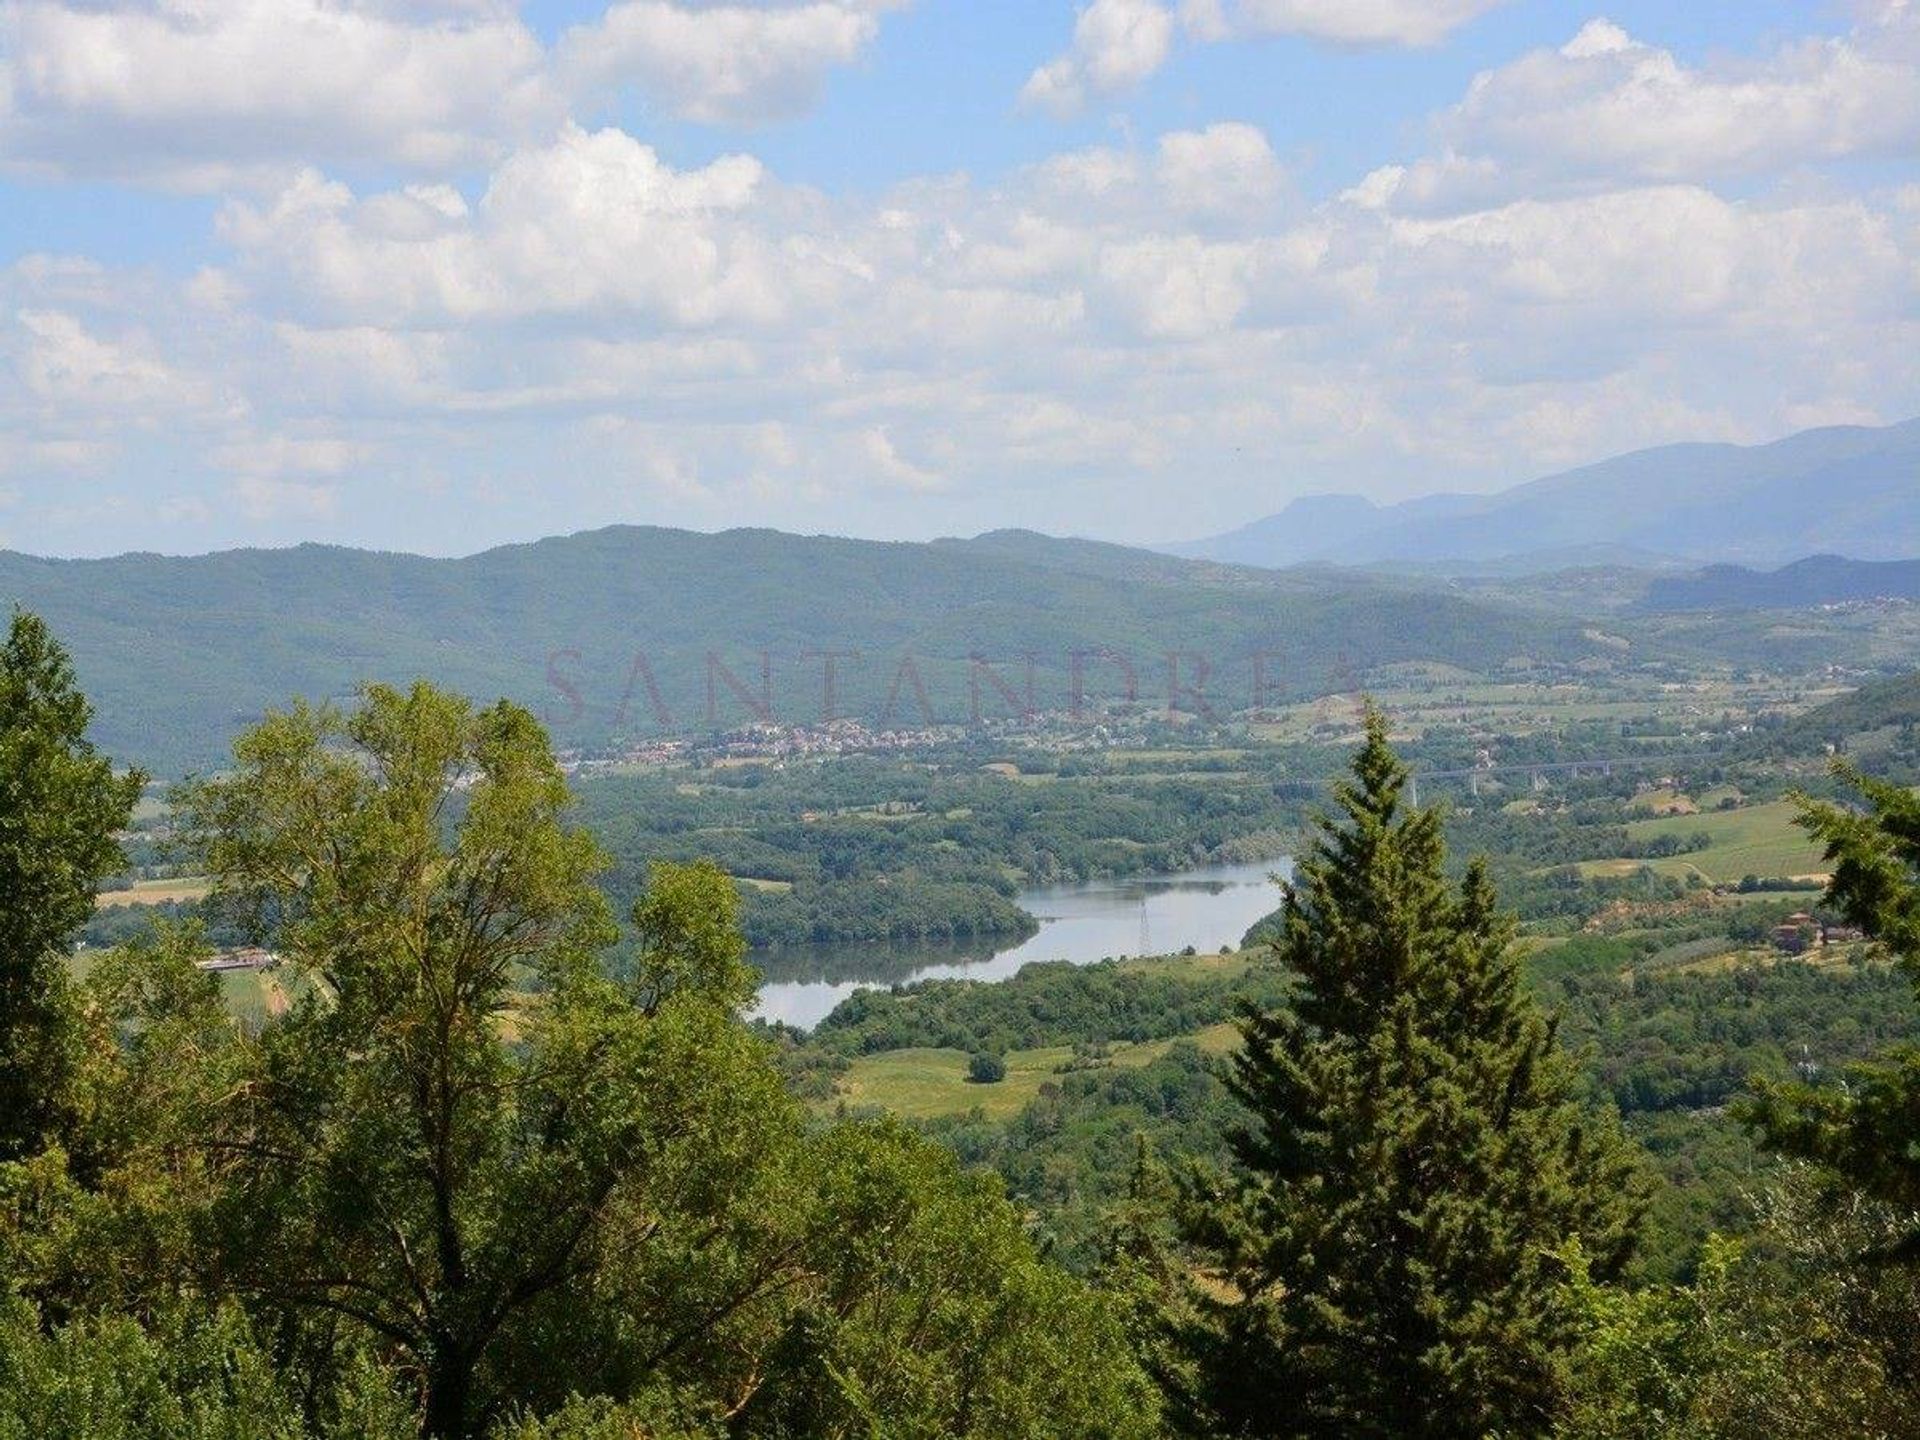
438,274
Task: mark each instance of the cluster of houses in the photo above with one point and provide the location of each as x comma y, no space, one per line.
1801,932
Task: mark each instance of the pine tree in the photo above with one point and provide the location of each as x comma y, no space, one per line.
1416,1178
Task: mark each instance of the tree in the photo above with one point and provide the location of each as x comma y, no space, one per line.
461,1110
560,1202
61,808
985,1068
1415,1168
1866,1133
1780,1333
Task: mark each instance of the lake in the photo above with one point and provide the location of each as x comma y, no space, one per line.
1141,915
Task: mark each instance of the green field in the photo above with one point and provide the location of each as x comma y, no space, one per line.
921,1084
157,892
1755,840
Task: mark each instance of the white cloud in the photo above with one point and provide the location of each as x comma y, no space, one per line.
1178,287
262,498
67,367
1342,22
593,332
891,466
1116,44
213,94
1606,109
197,95
1227,168
1119,43
592,225
720,63
277,456
1100,311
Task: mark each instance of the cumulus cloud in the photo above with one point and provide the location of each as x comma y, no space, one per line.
1118,43
891,466
1226,168
197,95
1605,108
719,63
593,225
71,369
206,96
1341,22
263,498
750,345
589,330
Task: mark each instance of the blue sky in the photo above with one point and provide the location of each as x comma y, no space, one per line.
438,274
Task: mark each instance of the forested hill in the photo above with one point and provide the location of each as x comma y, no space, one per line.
178,653
1879,706
1817,580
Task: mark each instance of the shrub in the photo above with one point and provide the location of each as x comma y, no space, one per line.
985,1069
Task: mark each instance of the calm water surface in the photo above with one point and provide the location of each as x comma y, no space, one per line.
1147,915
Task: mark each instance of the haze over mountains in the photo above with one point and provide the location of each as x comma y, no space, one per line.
1850,491
628,631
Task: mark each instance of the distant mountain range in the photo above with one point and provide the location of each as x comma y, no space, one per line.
1850,491
179,653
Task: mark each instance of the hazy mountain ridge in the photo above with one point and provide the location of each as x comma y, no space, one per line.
1849,490
178,653
1816,580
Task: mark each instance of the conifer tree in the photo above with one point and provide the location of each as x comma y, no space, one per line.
1416,1179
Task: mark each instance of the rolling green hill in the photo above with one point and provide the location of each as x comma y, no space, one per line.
1817,580
1877,706
180,652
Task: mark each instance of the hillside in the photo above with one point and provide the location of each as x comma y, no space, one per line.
1882,705
1844,490
180,652
1817,580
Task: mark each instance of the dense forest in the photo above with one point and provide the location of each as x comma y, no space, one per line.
508,1161
874,849
563,626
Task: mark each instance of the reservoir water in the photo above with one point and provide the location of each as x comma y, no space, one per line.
1141,915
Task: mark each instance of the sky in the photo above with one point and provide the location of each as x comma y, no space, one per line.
436,275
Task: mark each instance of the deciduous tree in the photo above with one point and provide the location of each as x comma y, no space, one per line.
61,809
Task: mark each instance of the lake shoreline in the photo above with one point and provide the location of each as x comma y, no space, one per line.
1207,907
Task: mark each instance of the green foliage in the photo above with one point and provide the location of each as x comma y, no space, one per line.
1866,1131
1782,1333
1414,1163
930,1315
984,1068
1695,1040
185,1375
469,1183
688,929
60,808
1047,1003
394,1163
1067,1157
